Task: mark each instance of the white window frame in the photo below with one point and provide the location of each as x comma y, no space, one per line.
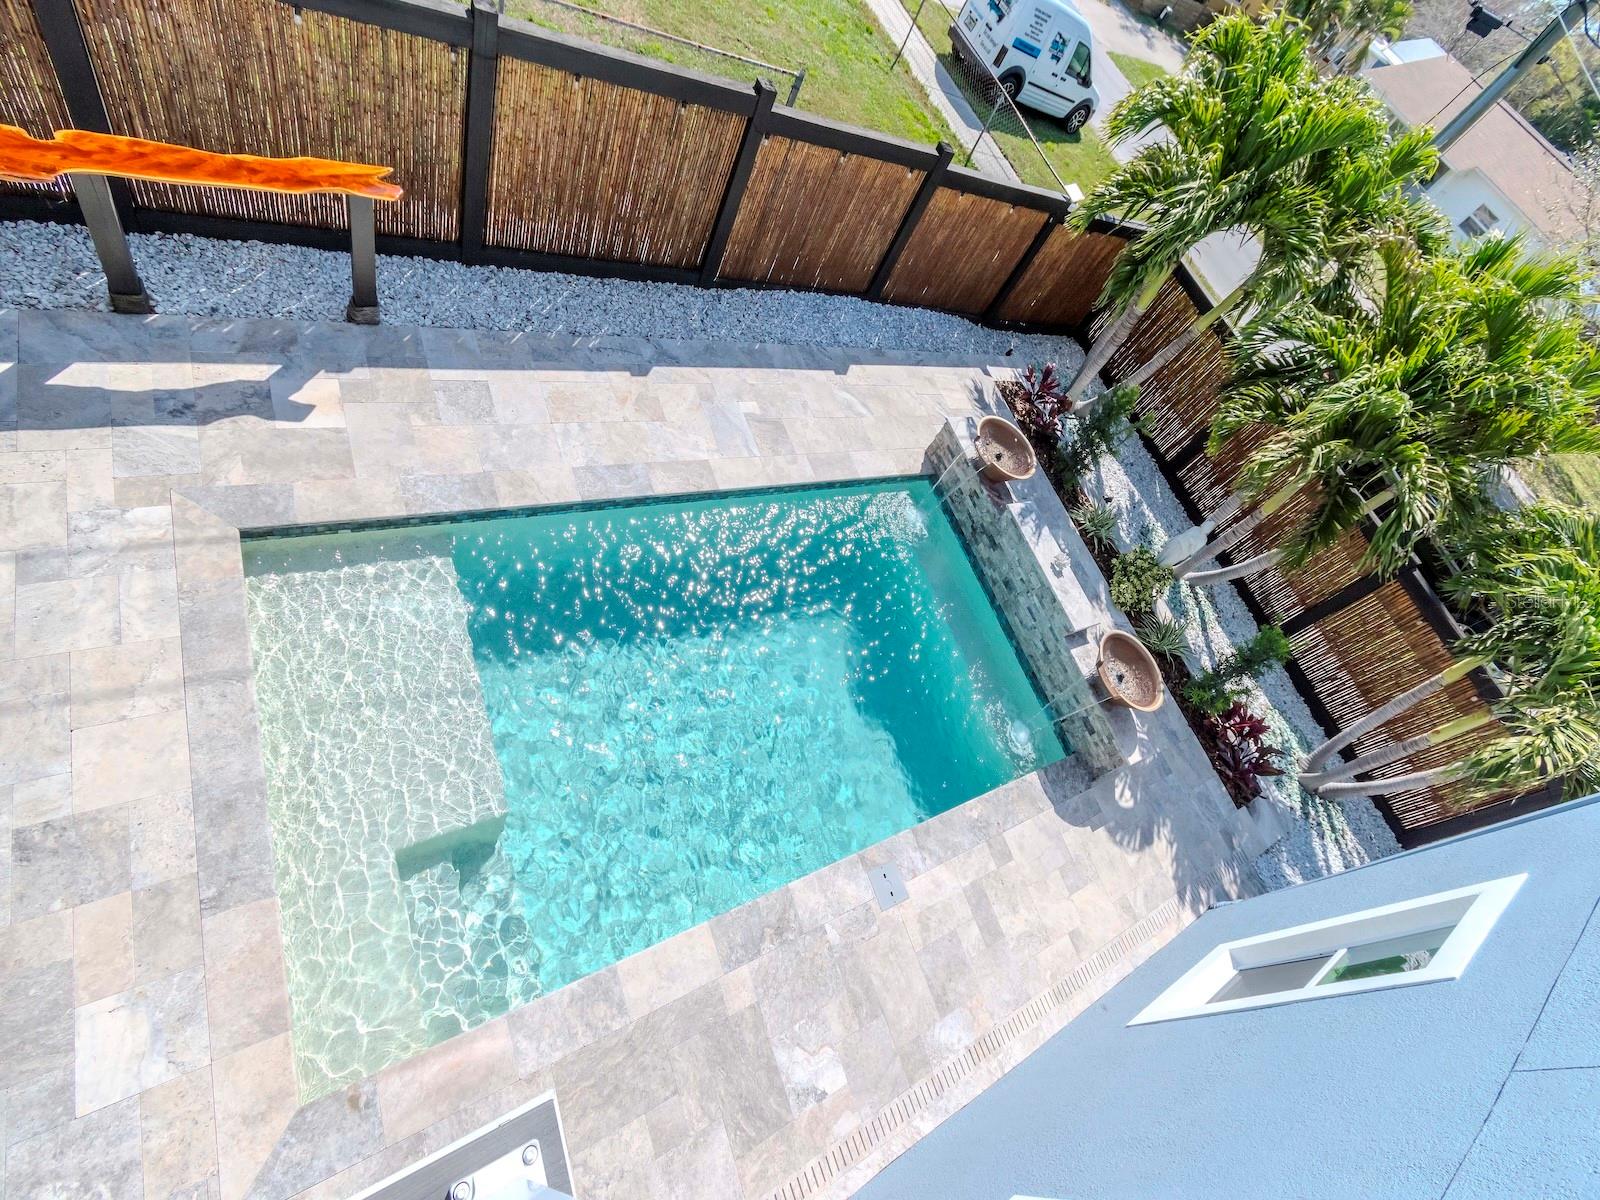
1474,225
1471,912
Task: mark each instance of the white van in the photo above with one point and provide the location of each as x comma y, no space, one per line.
1040,50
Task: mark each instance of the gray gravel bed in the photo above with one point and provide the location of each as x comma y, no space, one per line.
1325,836
53,266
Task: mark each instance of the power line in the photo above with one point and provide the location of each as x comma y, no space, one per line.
1469,83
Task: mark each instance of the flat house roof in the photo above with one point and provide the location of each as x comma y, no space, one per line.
1511,154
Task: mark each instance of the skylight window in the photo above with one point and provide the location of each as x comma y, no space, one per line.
1426,940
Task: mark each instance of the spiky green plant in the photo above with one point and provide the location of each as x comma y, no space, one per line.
1162,637
1096,522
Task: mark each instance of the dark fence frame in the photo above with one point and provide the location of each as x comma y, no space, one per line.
480,31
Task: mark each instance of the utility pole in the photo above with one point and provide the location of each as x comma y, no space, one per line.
1482,22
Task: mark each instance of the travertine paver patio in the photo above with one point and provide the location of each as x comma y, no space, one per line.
144,1020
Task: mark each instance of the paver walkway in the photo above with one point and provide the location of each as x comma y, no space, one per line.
145,1024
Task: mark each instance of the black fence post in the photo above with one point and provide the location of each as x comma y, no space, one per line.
125,288
483,69
909,223
69,55
1051,221
363,306
743,164
1336,602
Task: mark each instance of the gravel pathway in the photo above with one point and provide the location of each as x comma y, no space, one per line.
1325,836
53,266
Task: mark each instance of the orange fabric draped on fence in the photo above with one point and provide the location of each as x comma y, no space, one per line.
36,160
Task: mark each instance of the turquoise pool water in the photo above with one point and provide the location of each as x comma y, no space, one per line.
503,753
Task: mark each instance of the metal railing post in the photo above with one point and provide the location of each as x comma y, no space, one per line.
794,88
901,49
110,244
987,121
363,307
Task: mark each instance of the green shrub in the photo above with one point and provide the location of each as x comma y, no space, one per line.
1136,579
1213,691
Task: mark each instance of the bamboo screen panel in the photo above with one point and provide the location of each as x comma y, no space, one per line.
1063,282
30,97
1284,595
244,76
591,169
1181,399
813,217
1370,652
1210,478
962,252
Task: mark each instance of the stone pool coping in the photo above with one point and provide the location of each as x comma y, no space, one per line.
723,1061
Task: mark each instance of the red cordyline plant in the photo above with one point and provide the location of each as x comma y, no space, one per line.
1047,400
1240,754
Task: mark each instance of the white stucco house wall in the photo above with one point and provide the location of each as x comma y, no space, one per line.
1501,173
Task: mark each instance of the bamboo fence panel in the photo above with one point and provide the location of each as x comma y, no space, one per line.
1210,478
815,218
1363,656
1285,594
30,97
1181,399
252,76
962,252
596,170
1063,282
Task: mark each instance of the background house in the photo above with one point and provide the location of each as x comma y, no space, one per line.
1501,173
1485,1085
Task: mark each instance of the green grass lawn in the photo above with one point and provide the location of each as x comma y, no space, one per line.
845,55
1139,71
1080,158
1566,478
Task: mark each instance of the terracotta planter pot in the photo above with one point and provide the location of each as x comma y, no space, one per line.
1003,451
1128,672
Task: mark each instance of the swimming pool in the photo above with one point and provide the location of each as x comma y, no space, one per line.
507,751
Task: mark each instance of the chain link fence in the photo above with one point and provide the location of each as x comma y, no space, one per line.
582,21
998,137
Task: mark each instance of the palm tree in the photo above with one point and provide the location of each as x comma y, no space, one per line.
1360,196
1363,20
1396,412
1320,17
1535,573
1252,132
